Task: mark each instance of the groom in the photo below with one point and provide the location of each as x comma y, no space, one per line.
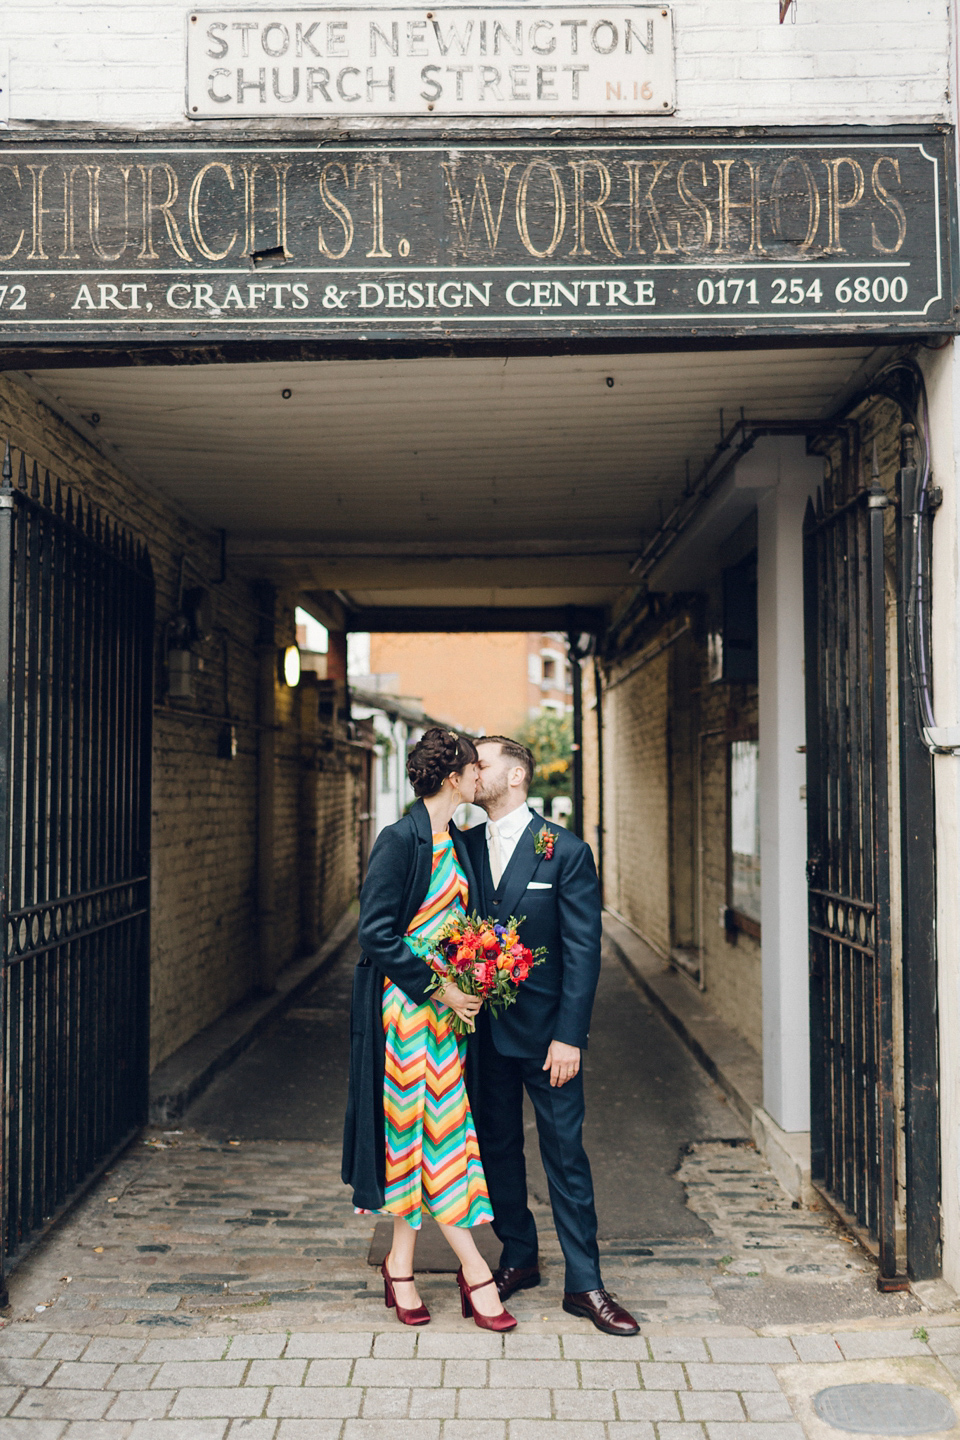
528,868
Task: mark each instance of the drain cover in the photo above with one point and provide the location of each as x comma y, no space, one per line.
885,1409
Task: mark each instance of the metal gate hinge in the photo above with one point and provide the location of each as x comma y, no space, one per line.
6,502
877,500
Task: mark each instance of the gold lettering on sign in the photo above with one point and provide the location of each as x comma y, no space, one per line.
727,206
193,210
250,172
481,197
249,206
693,202
643,200
151,208
93,197
37,251
836,205
581,205
559,209
69,251
15,172
813,200
337,209
889,202
378,250
281,169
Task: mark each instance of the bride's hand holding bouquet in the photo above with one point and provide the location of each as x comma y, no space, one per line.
479,962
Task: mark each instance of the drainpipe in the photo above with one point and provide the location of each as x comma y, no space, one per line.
310,912
574,654
266,787
598,692
701,949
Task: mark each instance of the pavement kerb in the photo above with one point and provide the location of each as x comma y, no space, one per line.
184,1075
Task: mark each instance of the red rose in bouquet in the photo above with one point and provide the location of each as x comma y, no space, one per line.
482,957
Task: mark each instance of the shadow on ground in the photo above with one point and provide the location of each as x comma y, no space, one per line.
647,1099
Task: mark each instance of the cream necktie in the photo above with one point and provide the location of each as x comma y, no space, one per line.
496,854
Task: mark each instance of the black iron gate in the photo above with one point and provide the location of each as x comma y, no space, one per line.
76,642
853,1121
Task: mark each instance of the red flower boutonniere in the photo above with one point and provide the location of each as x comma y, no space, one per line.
543,843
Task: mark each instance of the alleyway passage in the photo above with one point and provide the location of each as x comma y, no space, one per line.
646,1099
240,1212
216,1286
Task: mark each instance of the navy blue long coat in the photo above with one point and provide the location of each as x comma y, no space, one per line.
398,877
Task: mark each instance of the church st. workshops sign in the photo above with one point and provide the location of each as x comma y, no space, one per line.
426,240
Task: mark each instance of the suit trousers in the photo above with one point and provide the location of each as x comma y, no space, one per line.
498,1115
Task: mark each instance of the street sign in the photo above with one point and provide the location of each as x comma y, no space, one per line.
655,237
457,60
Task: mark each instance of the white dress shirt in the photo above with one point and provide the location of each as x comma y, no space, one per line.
508,829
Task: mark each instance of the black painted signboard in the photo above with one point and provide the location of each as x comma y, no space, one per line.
425,240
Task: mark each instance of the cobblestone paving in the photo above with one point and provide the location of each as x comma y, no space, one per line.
190,1234
209,1291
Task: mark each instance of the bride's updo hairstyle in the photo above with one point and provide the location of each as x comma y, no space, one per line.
438,754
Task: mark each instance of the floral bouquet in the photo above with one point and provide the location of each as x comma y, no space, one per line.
481,957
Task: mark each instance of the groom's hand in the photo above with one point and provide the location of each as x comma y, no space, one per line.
563,1062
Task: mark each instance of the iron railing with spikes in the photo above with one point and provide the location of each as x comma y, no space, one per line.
76,671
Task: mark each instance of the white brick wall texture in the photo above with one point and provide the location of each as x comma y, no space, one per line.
855,62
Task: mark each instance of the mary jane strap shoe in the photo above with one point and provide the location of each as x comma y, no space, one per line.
420,1315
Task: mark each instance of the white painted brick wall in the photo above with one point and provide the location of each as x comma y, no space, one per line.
844,61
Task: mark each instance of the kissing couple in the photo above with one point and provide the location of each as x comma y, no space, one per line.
415,1142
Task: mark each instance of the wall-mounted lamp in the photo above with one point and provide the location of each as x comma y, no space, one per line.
290,666
180,670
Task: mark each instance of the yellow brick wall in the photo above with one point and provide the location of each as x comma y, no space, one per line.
204,938
636,818
642,716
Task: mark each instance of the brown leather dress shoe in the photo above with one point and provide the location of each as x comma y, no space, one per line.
511,1278
603,1310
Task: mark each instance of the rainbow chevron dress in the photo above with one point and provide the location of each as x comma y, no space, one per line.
433,1161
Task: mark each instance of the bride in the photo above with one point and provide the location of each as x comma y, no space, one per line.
410,1145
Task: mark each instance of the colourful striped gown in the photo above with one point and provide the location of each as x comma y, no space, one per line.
433,1161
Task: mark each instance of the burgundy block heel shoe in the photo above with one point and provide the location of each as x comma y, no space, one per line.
504,1321
419,1316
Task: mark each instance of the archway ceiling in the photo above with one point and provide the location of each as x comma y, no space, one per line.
431,482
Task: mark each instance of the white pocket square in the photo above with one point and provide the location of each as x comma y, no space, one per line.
538,885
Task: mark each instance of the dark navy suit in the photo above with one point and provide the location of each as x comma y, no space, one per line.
561,912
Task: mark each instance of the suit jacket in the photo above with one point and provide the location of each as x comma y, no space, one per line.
561,912
398,877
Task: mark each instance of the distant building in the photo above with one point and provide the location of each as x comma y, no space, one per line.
487,684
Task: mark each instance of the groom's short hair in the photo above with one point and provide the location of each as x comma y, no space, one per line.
514,751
